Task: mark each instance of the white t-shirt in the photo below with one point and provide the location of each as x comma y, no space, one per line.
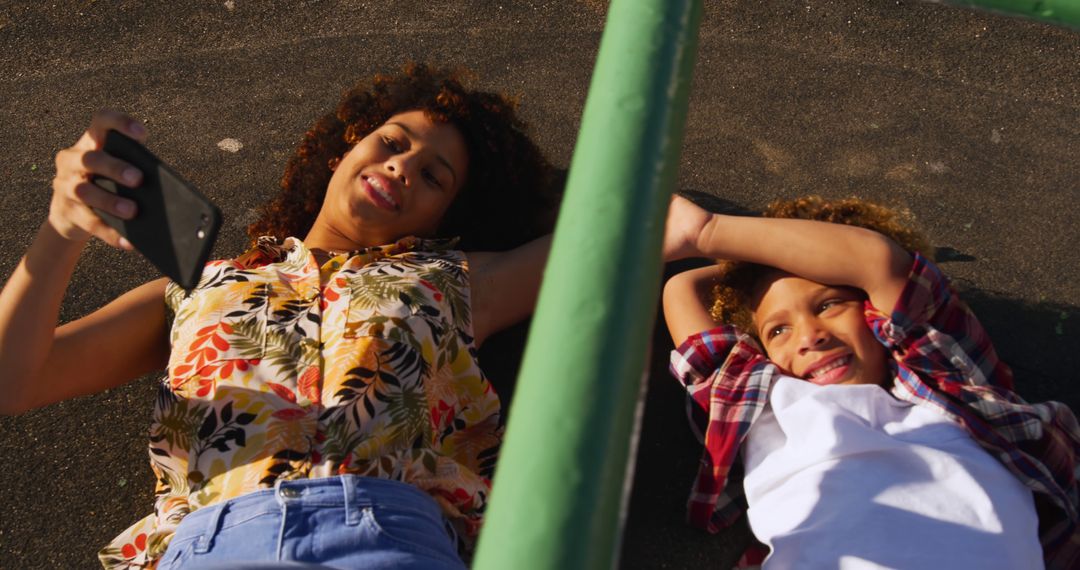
849,477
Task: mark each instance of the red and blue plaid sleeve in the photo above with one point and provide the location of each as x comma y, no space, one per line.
702,354
934,333
727,378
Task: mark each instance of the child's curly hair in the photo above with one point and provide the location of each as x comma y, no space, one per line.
507,199
738,281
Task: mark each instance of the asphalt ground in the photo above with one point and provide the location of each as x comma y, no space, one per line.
968,119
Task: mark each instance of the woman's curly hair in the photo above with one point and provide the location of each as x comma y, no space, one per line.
507,199
738,281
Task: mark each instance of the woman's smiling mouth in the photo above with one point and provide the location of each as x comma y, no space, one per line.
378,190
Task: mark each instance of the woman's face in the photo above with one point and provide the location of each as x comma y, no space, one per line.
397,181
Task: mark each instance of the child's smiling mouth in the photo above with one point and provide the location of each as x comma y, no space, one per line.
830,370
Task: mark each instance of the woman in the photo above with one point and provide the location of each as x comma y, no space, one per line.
322,401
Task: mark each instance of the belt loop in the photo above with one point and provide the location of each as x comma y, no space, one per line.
352,512
280,498
206,540
451,531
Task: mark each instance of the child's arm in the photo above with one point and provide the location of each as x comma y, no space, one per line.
687,299
832,254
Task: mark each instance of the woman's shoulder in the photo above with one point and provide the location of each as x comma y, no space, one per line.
420,255
480,259
263,251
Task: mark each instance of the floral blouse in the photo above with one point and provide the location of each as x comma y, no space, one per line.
282,369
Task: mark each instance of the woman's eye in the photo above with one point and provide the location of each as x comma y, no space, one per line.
431,178
828,305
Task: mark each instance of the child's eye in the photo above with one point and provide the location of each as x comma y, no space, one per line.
830,303
776,331
391,143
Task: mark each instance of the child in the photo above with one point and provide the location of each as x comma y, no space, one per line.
861,417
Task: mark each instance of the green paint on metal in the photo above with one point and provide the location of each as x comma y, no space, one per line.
1055,11
560,488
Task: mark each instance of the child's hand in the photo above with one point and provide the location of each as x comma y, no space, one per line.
685,222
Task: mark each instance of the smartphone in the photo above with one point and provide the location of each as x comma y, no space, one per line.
174,225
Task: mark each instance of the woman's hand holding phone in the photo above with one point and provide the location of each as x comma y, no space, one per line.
44,363
71,211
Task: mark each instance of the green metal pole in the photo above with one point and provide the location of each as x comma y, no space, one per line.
1054,11
561,483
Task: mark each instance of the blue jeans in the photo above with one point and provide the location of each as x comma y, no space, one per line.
336,522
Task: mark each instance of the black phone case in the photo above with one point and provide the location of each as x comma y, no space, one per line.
175,226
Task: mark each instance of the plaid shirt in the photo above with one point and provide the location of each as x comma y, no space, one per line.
942,358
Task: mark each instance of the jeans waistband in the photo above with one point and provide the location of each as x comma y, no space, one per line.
352,492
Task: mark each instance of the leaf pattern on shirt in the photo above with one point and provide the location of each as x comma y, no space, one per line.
282,369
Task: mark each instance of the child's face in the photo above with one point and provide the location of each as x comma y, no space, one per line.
817,332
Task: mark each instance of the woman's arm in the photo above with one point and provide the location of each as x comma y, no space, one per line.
832,254
505,285
40,363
